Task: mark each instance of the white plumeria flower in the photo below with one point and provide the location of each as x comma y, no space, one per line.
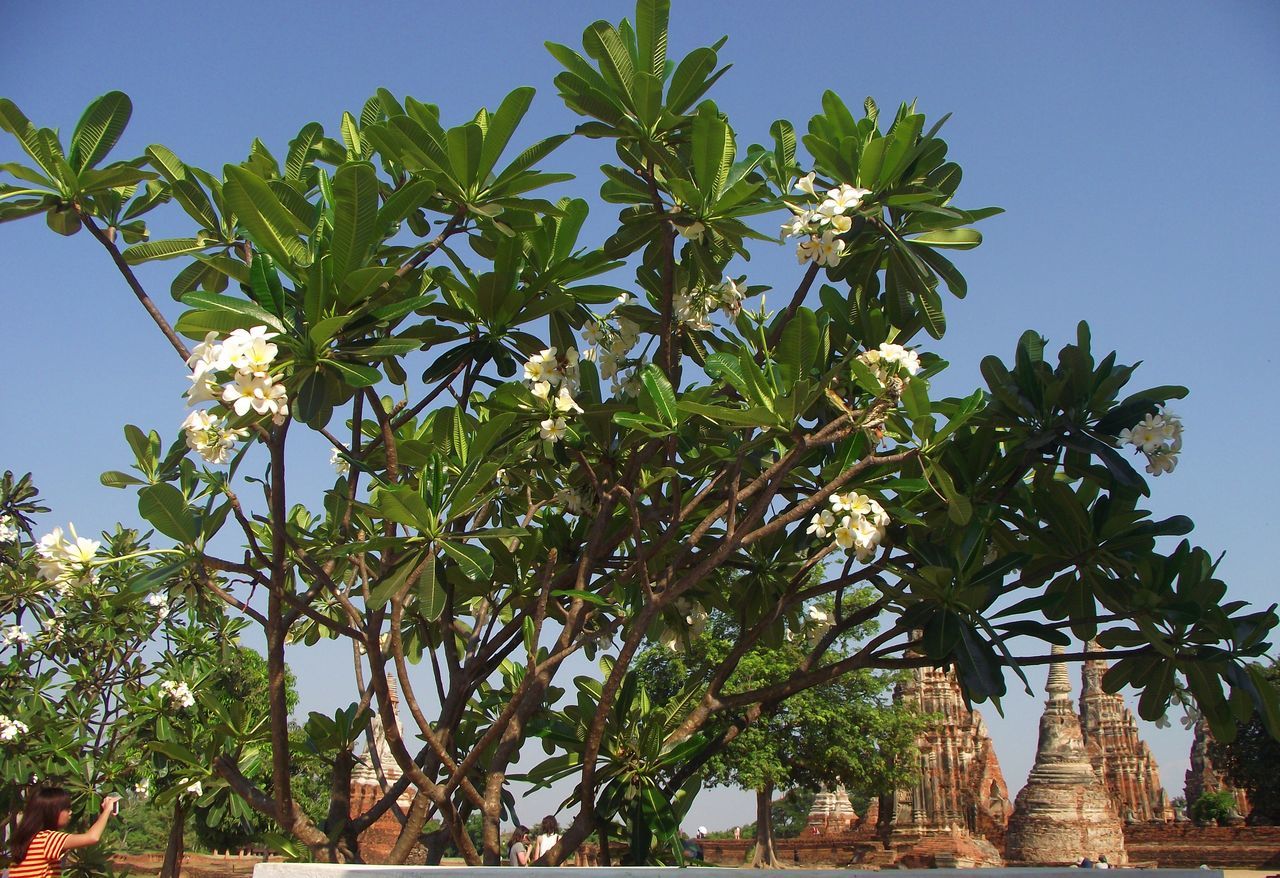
196,789
1161,462
553,429
907,359
841,199
254,392
840,224
608,364
178,692
829,249
566,403
160,604
592,332
8,532
541,389
542,366
15,634
241,340
338,462
807,250
142,789
204,387
255,357
209,352
799,225
846,533
817,615
821,523
805,184
11,729
694,231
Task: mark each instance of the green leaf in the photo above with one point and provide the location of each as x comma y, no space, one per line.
799,343
165,248
953,239
502,124
165,507
249,312
661,392
355,217
99,128
431,597
651,33
268,222
117,479
355,374
473,560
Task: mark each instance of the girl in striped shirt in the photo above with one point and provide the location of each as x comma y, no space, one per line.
39,843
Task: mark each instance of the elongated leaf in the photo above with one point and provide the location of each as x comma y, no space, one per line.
99,128
501,126
661,392
239,307
651,33
954,239
164,507
431,597
167,248
355,217
473,561
271,226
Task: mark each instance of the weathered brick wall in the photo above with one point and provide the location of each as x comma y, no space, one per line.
1186,846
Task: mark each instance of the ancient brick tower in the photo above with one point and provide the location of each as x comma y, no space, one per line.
366,787
1064,812
1203,777
1119,756
832,813
956,812
960,780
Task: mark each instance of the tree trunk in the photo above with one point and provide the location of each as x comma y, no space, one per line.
172,867
604,844
765,857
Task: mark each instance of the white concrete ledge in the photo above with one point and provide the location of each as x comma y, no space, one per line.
310,870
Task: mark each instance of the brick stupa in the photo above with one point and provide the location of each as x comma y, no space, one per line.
958,807
1203,776
1119,756
1064,813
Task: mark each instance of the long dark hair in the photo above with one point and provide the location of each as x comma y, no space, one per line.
549,825
44,807
521,833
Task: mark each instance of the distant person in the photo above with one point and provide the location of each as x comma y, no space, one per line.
737,832
702,832
1086,863
548,835
39,844
1102,862
690,848
518,847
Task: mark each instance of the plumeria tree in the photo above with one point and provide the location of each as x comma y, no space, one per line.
105,656
548,446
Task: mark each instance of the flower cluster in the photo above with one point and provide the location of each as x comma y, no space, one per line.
178,692
545,372
820,225
695,617
817,622
160,604
693,307
855,520
11,729
610,346
1159,437
250,388
64,560
574,502
892,360
142,789
14,634
8,531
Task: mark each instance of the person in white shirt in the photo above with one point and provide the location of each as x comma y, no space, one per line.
548,835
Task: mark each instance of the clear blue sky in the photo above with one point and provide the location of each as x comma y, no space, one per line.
1133,146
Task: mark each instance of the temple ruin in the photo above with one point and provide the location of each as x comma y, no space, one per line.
1203,777
1118,754
1064,813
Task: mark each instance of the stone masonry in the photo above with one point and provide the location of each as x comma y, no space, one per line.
1064,812
1119,756
1202,777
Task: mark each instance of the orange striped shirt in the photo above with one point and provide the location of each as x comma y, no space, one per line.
44,857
